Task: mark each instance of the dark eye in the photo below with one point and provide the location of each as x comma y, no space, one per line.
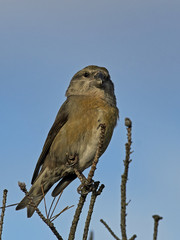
86,74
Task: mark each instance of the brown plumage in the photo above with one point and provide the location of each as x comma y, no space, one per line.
90,102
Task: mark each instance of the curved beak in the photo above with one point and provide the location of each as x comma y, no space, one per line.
99,75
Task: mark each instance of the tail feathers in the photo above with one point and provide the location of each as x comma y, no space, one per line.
26,201
40,187
31,209
63,184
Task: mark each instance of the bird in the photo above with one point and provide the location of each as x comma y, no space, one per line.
90,102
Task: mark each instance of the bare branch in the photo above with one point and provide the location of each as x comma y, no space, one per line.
98,152
3,210
94,195
42,189
76,216
109,229
55,205
156,222
47,221
65,209
82,179
51,207
84,188
11,205
133,237
124,179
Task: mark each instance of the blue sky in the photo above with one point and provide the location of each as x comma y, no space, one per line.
42,45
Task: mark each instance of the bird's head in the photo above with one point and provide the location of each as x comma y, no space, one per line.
92,80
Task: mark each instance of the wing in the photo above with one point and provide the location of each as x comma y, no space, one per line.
60,120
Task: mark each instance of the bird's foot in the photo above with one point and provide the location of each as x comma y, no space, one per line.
85,187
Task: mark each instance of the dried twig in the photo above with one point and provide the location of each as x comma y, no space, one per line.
76,216
23,187
124,179
65,209
98,152
133,237
94,195
84,187
11,205
31,203
42,189
3,210
82,178
109,229
51,207
156,222
55,205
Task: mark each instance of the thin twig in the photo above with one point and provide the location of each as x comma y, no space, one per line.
51,206
84,191
56,204
80,175
94,195
109,229
23,187
31,203
11,205
98,152
44,201
124,179
156,222
133,237
76,216
65,209
3,210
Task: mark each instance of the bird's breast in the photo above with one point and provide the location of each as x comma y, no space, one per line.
80,134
